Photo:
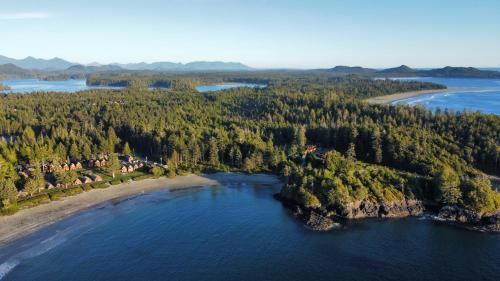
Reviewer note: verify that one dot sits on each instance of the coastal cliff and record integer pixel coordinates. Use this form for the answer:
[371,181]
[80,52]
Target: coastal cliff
[470,219]
[323,219]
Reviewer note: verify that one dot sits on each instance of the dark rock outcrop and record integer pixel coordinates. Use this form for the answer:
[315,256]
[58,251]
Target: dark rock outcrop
[470,219]
[370,209]
[317,221]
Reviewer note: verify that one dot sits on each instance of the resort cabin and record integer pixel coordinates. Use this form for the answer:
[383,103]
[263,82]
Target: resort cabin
[103,162]
[72,167]
[310,149]
[124,169]
[136,166]
[22,193]
[86,180]
[65,167]
[49,186]
[97,163]
[130,168]
[77,182]
[78,165]
[96,178]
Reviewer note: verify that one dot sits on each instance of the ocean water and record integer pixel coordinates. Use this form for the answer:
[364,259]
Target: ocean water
[219,87]
[239,232]
[483,96]
[35,85]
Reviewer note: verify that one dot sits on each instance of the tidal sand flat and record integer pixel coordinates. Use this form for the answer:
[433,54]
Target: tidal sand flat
[387,99]
[463,94]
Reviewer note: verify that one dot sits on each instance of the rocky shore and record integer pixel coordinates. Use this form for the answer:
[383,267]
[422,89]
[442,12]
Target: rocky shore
[322,219]
[470,219]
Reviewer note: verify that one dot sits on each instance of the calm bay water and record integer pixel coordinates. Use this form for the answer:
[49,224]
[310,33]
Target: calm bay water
[35,85]
[239,232]
[219,87]
[484,95]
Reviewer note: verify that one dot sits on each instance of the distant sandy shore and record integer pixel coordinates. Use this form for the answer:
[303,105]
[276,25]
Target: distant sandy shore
[29,220]
[401,96]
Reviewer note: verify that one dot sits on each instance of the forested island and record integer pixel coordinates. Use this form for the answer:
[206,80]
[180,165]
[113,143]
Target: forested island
[406,71]
[339,156]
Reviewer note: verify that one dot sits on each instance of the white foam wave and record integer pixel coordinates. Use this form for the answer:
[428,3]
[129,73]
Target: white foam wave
[39,249]
[6,267]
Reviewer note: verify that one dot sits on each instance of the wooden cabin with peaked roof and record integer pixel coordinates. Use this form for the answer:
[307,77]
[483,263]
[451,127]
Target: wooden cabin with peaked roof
[96,178]
[85,180]
[129,158]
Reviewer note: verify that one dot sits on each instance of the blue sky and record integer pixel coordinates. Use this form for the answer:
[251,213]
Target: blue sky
[260,33]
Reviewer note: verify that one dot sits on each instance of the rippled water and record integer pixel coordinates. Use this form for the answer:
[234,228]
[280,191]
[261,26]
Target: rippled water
[239,232]
[34,85]
[483,96]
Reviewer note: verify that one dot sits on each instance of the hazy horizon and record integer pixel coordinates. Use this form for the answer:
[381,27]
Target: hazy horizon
[263,34]
[256,68]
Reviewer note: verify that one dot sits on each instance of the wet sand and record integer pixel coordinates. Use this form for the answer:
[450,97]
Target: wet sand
[400,96]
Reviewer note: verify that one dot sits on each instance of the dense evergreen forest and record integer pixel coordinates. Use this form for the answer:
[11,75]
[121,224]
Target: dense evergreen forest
[363,152]
[351,85]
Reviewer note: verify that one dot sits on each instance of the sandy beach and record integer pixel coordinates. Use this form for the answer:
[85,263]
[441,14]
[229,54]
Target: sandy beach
[29,220]
[400,96]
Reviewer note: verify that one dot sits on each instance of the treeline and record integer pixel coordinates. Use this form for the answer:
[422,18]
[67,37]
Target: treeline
[255,130]
[351,85]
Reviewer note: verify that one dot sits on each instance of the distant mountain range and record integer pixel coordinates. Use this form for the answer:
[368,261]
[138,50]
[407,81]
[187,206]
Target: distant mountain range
[39,64]
[57,68]
[10,71]
[406,71]
[57,64]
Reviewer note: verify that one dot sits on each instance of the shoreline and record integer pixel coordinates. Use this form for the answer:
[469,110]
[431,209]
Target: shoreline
[28,221]
[387,99]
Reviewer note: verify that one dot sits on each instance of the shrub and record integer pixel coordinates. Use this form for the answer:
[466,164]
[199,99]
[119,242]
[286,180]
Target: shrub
[142,177]
[156,171]
[54,196]
[9,210]
[115,182]
[73,191]
[99,185]
[171,173]
[33,201]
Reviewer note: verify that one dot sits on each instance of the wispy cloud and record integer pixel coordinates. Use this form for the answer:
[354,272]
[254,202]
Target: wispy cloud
[24,16]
